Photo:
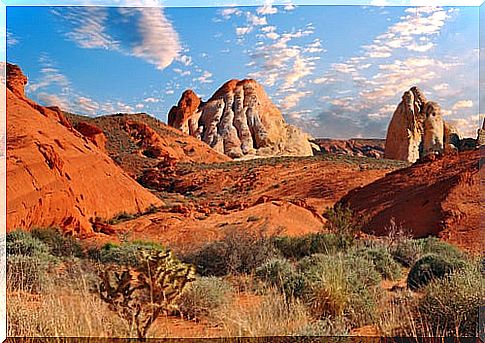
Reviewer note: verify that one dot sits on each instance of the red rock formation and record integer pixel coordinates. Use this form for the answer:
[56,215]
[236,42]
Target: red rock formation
[182,115]
[93,133]
[239,120]
[436,197]
[57,177]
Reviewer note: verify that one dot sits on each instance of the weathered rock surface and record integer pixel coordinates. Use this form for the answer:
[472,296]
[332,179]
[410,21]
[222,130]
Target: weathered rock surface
[239,120]
[93,133]
[139,141]
[417,129]
[55,175]
[439,197]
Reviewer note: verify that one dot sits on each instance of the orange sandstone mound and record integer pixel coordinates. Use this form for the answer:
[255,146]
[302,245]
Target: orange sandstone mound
[438,197]
[55,175]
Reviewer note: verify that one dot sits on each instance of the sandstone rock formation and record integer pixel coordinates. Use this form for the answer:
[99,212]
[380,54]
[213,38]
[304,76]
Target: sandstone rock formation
[139,141]
[438,198]
[239,120]
[55,175]
[93,133]
[417,129]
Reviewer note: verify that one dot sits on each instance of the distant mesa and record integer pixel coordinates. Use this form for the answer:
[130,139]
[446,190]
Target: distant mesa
[417,130]
[239,120]
[55,175]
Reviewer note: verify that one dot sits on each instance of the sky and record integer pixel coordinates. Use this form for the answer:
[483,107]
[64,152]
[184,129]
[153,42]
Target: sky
[334,71]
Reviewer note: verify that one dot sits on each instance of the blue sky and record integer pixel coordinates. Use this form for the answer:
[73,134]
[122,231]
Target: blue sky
[335,71]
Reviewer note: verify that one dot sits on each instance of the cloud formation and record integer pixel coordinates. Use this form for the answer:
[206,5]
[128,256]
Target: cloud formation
[155,41]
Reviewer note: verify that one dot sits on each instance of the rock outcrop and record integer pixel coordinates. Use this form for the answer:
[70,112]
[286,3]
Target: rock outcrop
[139,141]
[417,130]
[239,120]
[439,198]
[55,175]
[93,133]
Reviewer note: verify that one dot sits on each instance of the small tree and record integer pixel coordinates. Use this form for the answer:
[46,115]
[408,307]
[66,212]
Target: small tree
[141,293]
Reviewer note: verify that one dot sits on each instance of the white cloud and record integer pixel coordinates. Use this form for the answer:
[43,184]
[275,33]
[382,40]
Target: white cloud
[151,100]
[267,9]
[289,7]
[240,31]
[255,20]
[159,43]
[228,12]
[205,77]
[47,99]
[292,99]
[462,104]
[139,106]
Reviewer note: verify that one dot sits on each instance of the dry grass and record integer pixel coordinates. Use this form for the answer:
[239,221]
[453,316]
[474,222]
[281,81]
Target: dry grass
[62,313]
[273,315]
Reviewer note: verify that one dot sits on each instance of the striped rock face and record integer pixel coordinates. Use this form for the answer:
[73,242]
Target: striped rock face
[240,121]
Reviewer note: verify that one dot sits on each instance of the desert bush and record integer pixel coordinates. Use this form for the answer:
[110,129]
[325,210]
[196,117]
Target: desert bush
[408,251]
[22,243]
[449,306]
[204,297]
[326,327]
[281,274]
[344,223]
[124,254]
[59,244]
[314,243]
[382,260]
[121,217]
[27,273]
[238,252]
[342,286]
[429,267]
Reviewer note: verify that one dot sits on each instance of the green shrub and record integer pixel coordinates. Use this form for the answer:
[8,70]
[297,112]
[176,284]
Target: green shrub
[429,267]
[282,274]
[204,296]
[450,305]
[314,243]
[382,260]
[124,254]
[343,222]
[121,217]
[59,245]
[275,271]
[238,252]
[22,243]
[408,251]
[27,273]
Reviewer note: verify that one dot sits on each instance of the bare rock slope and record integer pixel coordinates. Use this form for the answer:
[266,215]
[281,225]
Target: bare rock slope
[239,120]
[439,197]
[55,175]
